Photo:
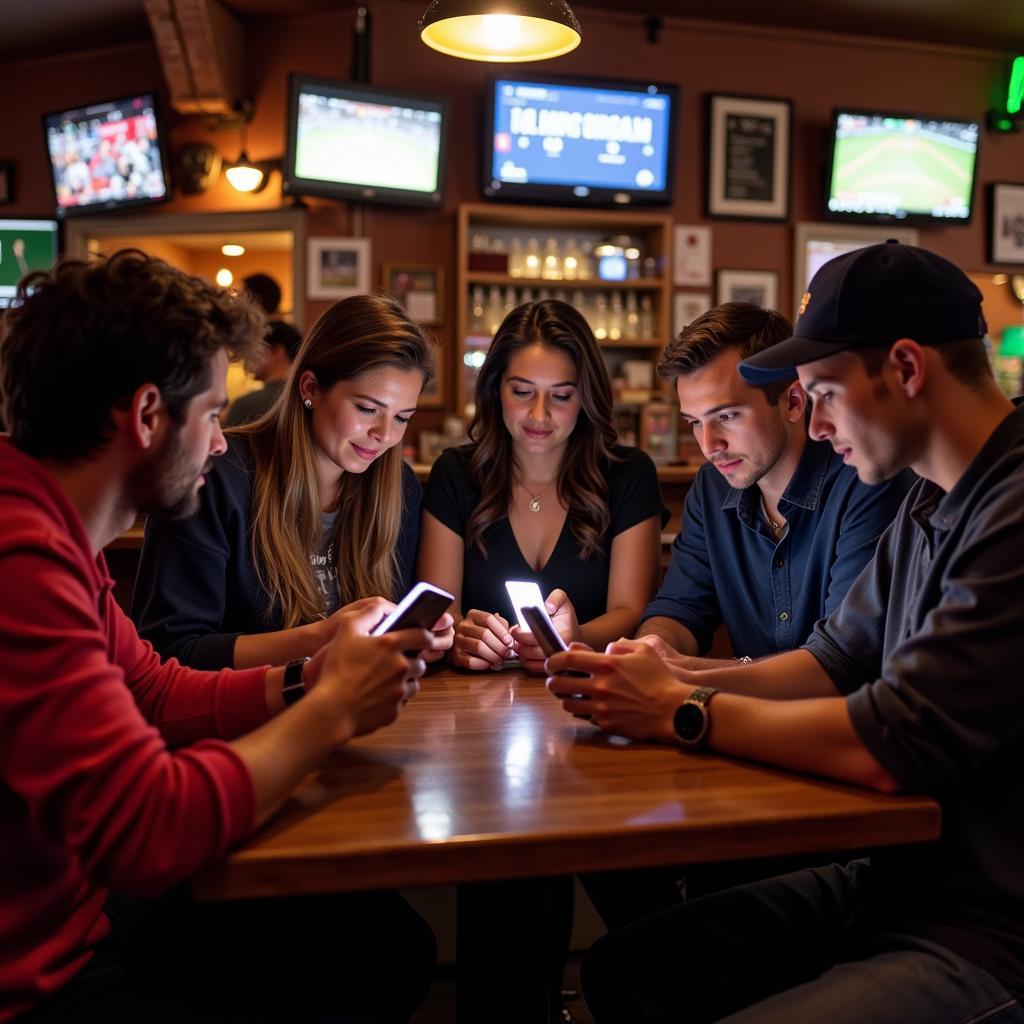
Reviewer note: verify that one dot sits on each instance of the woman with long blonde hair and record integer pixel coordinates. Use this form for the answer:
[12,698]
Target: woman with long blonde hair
[310,509]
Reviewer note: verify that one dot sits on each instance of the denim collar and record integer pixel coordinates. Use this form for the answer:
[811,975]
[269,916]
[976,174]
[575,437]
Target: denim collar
[804,487]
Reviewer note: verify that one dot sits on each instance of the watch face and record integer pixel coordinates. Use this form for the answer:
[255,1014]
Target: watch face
[690,721]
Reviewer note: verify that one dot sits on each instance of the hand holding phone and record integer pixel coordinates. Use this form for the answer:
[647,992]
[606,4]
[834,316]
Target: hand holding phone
[548,638]
[522,593]
[420,608]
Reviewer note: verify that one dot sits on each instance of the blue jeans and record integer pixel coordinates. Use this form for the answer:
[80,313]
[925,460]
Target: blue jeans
[790,949]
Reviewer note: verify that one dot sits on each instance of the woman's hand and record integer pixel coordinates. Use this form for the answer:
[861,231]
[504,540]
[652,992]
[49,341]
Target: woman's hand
[563,618]
[482,641]
[442,635]
[322,631]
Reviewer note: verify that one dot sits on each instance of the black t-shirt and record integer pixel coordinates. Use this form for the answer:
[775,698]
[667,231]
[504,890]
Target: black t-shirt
[633,496]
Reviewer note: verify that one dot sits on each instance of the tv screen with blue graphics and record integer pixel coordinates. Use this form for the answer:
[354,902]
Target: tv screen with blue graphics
[576,142]
[900,167]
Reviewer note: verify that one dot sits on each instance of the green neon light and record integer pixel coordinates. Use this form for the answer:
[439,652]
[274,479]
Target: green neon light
[1015,94]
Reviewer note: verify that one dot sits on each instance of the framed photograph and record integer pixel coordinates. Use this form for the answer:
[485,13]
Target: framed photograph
[6,182]
[687,307]
[761,287]
[750,143]
[419,287]
[434,394]
[338,267]
[691,257]
[815,244]
[1006,238]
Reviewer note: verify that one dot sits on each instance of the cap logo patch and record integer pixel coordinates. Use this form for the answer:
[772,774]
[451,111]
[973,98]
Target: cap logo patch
[804,302]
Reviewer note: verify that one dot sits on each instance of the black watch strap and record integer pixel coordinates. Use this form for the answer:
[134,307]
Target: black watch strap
[294,688]
[692,720]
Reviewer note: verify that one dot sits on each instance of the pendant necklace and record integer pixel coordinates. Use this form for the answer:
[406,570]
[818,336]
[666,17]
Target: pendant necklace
[534,505]
[776,528]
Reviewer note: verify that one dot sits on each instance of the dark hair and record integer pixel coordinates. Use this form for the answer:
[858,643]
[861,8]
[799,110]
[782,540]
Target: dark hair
[285,335]
[265,290]
[740,325]
[582,486]
[967,360]
[84,337]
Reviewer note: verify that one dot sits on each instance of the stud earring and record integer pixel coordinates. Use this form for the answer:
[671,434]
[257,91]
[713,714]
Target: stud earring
[308,403]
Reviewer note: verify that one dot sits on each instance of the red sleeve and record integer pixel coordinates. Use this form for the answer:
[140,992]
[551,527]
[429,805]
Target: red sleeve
[185,704]
[96,777]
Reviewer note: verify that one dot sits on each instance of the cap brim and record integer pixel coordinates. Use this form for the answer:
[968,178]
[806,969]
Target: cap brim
[779,362]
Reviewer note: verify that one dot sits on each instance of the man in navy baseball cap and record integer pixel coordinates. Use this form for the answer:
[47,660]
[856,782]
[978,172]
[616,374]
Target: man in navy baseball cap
[869,298]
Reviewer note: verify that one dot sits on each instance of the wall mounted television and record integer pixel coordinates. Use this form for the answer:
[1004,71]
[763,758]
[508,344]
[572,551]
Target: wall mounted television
[907,168]
[107,155]
[25,246]
[348,141]
[579,141]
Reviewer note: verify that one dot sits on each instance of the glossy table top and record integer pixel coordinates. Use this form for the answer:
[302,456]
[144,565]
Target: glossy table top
[485,776]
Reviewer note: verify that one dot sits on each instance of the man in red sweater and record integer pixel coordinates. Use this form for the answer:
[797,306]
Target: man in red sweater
[119,772]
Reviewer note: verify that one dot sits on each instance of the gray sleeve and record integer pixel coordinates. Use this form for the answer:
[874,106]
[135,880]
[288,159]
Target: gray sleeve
[948,699]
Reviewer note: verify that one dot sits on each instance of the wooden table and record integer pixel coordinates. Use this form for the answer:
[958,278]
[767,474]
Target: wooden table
[484,776]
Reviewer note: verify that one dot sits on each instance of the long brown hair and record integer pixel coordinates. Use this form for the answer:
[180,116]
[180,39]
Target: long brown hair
[582,486]
[354,336]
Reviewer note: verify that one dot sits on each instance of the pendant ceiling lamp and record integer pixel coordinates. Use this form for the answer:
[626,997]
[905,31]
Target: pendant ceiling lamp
[500,31]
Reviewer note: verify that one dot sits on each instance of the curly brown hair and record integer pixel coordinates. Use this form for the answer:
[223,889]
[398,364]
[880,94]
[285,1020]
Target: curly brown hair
[81,339]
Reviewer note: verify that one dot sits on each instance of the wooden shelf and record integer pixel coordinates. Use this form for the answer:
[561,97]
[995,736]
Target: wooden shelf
[636,284]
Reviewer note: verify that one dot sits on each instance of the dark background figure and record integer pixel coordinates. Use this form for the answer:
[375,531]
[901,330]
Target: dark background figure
[283,340]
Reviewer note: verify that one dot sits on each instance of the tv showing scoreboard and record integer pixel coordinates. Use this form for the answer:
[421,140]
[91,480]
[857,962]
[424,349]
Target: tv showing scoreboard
[579,141]
[348,141]
[901,167]
[25,246]
[107,155]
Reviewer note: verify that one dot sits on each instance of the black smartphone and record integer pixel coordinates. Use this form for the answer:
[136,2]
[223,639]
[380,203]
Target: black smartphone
[419,609]
[547,637]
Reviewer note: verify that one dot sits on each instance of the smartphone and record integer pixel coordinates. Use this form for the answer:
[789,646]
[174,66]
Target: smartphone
[419,609]
[523,593]
[548,638]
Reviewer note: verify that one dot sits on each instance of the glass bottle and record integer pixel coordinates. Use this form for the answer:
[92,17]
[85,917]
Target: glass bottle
[531,258]
[552,266]
[510,301]
[495,312]
[600,324]
[616,318]
[516,266]
[570,260]
[646,324]
[477,322]
[585,271]
[631,327]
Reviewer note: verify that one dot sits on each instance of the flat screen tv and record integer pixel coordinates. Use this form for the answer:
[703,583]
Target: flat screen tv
[107,155]
[579,141]
[25,246]
[886,168]
[348,141]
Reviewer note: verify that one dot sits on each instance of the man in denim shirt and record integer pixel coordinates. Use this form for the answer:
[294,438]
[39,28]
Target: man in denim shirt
[775,527]
[913,684]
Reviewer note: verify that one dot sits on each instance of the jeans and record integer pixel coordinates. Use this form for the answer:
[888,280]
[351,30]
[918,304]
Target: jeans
[792,949]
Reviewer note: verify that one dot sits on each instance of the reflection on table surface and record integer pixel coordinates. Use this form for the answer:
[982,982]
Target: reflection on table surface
[485,776]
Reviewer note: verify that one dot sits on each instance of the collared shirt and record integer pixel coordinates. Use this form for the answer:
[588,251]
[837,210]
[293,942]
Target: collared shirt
[929,648]
[727,566]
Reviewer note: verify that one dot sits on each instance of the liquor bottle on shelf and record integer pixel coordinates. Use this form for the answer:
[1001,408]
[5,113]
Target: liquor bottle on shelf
[551,269]
[516,265]
[571,260]
[646,316]
[600,322]
[495,312]
[510,301]
[585,270]
[531,258]
[616,318]
[579,303]
[631,327]
[477,322]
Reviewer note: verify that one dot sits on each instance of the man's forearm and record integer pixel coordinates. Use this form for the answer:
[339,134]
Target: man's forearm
[794,675]
[674,633]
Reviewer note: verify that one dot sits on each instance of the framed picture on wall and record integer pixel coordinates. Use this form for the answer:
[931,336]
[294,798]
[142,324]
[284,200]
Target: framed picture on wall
[433,395]
[1006,225]
[338,267]
[761,287]
[749,148]
[419,287]
[687,307]
[815,244]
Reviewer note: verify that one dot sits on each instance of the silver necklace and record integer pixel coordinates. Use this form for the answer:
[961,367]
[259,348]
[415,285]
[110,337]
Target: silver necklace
[534,505]
[776,528]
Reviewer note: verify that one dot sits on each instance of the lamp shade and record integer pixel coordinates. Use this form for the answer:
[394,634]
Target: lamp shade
[1012,342]
[244,176]
[500,31]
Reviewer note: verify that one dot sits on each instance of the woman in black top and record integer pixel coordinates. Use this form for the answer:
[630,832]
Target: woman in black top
[542,493]
[311,507]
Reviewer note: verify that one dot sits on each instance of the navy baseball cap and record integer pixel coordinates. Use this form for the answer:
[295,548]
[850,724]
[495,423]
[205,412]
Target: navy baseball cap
[870,298]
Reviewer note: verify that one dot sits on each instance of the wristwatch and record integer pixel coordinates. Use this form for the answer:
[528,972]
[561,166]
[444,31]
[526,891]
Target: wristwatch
[294,688]
[691,720]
